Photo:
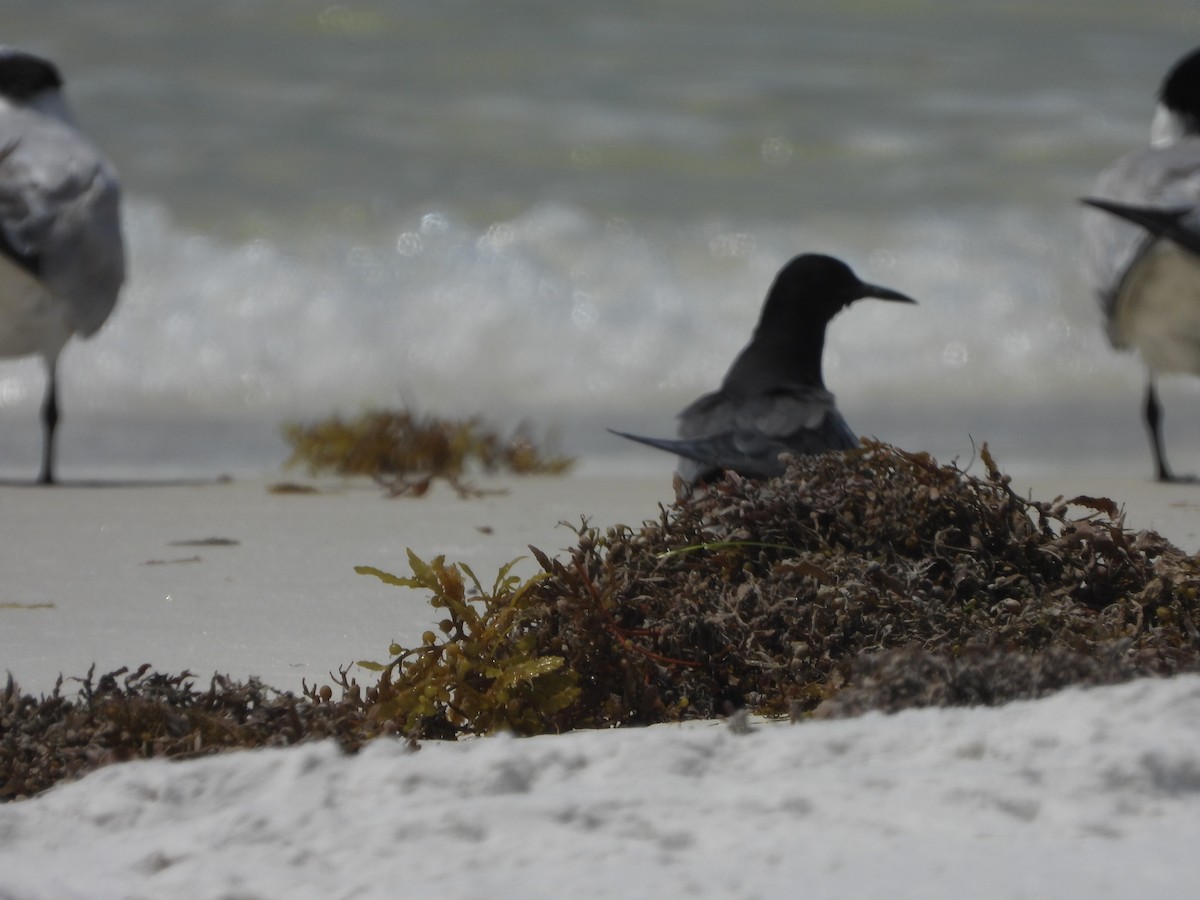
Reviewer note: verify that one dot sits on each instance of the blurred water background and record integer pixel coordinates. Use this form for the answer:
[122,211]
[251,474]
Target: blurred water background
[570,213]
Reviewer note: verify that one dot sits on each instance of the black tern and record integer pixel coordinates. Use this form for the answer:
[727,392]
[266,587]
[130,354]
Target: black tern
[773,399]
[62,259]
[1143,248]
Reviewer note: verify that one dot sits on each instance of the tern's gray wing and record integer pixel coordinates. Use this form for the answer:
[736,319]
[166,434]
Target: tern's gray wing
[803,417]
[1166,177]
[1180,225]
[703,457]
[59,217]
[747,434]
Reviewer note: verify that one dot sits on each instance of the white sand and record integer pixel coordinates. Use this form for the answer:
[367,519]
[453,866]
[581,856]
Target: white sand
[97,574]
[109,574]
[1091,794]
[1083,795]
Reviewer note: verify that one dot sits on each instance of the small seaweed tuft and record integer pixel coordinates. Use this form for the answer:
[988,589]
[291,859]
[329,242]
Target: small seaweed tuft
[143,714]
[485,673]
[405,451]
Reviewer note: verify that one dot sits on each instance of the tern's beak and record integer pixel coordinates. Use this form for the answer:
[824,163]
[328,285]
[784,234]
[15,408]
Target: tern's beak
[882,293]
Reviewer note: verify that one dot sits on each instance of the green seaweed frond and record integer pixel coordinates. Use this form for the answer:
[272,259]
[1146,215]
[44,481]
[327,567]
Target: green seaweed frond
[485,673]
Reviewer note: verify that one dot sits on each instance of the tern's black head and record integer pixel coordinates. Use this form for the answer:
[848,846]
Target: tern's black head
[1180,91]
[789,341]
[23,75]
[812,289]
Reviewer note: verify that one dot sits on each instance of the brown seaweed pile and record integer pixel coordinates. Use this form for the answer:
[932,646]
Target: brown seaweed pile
[870,579]
[405,451]
[851,575]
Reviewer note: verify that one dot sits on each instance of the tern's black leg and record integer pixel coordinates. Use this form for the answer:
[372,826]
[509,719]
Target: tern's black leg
[49,423]
[1154,426]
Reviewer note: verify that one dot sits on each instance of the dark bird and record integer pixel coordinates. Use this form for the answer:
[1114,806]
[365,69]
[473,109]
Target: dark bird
[62,259]
[773,399]
[1142,238]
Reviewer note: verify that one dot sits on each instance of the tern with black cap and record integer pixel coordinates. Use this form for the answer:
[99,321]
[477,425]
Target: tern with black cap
[1142,241]
[62,258]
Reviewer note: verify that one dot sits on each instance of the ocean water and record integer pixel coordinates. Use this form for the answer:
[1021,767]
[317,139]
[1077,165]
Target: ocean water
[569,215]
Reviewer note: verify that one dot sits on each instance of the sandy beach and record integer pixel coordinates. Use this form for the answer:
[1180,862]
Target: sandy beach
[1087,792]
[230,578]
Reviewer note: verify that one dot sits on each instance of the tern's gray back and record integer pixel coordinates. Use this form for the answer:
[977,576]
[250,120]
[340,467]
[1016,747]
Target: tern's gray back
[59,201]
[1167,177]
[749,433]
